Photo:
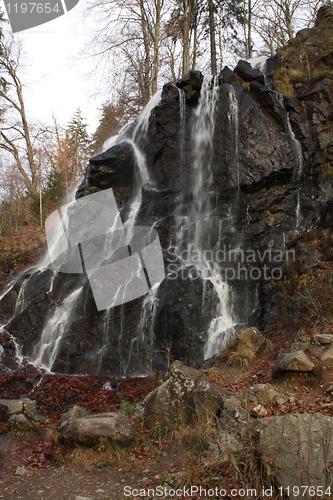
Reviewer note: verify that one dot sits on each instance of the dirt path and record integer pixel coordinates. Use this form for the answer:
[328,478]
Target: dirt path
[56,483]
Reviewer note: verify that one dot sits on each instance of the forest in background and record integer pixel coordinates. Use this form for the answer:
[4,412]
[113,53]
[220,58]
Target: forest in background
[139,45]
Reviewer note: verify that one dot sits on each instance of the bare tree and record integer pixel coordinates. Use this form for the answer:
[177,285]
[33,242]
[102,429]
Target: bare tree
[276,21]
[16,135]
[130,32]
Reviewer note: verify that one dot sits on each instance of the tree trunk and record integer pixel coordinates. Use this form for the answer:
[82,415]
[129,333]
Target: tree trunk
[213,62]
[249,28]
[158,10]
[186,37]
[195,37]
[146,83]
[30,154]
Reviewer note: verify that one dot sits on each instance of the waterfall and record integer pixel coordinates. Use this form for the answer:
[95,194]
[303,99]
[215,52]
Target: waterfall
[295,143]
[21,301]
[202,137]
[140,134]
[145,334]
[298,151]
[233,122]
[56,325]
[192,228]
[141,127]
[298,209]
[182,128]
[106,324]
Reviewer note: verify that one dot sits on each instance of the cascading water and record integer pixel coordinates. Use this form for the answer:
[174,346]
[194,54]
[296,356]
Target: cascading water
[199,221]
[141,344]
[57,324]
[233,122]
[193,228]
[21,299]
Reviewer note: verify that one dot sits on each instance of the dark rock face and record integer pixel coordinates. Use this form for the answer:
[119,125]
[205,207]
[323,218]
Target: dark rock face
[266,179]
[248,74]
[114,168]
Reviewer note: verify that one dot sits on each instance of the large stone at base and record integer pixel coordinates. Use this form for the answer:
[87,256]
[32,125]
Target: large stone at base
[300,447]
[9,407]
[294,361]
[20,423]
[250,342]
[90,430]
[72,414]
[186,396]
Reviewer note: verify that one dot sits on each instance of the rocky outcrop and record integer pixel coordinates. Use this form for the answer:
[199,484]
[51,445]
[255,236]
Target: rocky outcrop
[185,396]
[91,430]
[298,450]
[267,179]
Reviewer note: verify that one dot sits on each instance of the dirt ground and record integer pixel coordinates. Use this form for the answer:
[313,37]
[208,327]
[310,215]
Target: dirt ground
[50,482]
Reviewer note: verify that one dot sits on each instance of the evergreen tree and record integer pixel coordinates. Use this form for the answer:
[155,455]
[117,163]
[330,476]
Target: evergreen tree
[78,146]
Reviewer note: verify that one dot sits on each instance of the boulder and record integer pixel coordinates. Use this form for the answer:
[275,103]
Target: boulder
[249,74]
[259,411]
[229,77]
[232,415]
[9,407]
[220,450]
[186,395]
[90,430]
[328,355]
[300,447]
[293,361]
[193,78]
[113,168]
[269,101]
[75,412]
[264,394]
[322,339]
[20,423]
[250,342]
[29,409]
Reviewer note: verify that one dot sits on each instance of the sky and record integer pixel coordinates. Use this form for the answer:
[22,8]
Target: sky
[55,75]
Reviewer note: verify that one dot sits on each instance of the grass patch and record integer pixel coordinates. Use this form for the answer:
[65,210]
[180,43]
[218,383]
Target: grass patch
[282,82]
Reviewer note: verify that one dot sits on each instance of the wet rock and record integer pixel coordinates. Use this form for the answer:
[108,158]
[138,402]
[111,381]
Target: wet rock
[89,431]
[186,395]
[229,77]
[300,447]
[249,74]
[250,342]
[193,78]
[296,361]
[269,101]
[114,168]
[253,197]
